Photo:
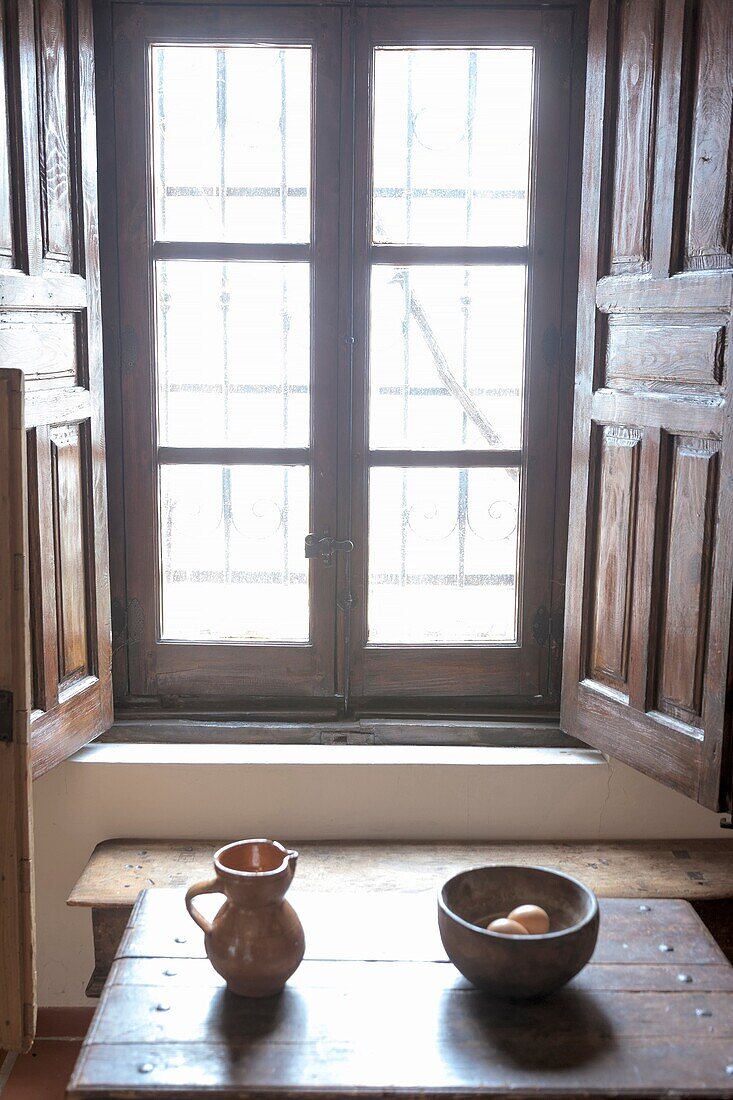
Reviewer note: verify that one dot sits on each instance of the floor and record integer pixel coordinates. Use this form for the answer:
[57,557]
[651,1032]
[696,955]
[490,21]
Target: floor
[44,1072]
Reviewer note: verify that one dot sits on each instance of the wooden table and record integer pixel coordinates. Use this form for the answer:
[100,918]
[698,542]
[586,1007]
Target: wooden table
[376,1008]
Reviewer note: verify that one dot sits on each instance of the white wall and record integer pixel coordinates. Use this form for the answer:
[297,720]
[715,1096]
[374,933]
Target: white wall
[312,793]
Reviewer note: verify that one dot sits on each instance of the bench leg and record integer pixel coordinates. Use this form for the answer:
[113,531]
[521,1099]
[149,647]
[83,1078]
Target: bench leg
[108,927]
[717,916]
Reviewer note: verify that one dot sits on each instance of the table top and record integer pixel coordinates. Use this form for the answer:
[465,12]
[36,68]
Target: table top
[376,1008]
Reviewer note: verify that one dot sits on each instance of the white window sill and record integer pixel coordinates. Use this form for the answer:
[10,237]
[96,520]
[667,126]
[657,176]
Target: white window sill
[333,755]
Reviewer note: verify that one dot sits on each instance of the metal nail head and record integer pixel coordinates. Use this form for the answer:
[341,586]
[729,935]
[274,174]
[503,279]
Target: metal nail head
[684,978]
[180,939]
[645,908]
[665,948]
[703,1012]
[146,1067]
[162,1008]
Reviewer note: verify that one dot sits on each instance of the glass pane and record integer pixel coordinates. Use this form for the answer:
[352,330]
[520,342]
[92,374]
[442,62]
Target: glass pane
[443,555]
[233,353]
[452,145]
[233,566]
[231,142]
[446,357]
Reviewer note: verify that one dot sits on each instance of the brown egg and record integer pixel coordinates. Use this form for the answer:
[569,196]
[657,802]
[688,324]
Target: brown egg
[506,927]
[532,918]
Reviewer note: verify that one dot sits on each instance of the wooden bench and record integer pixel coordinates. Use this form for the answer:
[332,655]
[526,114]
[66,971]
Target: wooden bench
[699,871]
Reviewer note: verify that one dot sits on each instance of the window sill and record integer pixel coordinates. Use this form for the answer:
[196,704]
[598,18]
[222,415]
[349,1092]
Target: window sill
[332,755]
[376,733]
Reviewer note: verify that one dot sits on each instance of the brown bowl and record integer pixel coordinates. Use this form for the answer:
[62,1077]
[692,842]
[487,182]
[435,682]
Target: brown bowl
[517,967]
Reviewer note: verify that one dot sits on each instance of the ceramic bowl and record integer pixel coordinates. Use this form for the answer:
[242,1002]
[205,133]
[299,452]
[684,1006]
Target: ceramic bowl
[517,967]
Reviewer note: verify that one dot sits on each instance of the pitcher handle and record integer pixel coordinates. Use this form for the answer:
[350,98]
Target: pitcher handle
[210,886]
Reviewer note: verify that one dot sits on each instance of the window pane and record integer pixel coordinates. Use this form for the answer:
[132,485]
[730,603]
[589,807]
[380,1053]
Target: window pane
[231,142]
[233,565]
[233,353]
[443,555]
[446,357]
[452,145]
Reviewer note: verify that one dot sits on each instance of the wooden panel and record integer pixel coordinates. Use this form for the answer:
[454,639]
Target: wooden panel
[615,532]
[44,344]
[53,95]
[698,293]
[17,931]
[42,291]
[119,869]
[707,977]
[657,337]
[665,357]
[58,406]
[42,571]
[62,357]
[687,573]
[165,1022]
[638,31]
[6,197]
[705,413]
[496,1068]
[69,492]
[709,233]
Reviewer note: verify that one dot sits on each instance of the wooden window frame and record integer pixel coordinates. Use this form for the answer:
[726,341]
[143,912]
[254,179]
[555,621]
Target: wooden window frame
[212,696]
[171,668]
[520,673]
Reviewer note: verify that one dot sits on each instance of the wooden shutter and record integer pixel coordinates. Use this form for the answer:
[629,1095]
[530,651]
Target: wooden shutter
[50,327]
[17,969]
[650,571]
[55,684]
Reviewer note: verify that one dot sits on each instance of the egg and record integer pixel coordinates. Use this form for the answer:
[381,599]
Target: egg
[533,919]
[506,927]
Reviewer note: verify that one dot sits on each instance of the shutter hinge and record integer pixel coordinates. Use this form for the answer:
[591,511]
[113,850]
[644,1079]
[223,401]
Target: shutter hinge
[548,626]
[6,716]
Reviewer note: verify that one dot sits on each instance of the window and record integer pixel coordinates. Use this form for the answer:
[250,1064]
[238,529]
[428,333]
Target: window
[341,271]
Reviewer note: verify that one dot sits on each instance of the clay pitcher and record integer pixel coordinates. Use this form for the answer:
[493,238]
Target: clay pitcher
[255,941]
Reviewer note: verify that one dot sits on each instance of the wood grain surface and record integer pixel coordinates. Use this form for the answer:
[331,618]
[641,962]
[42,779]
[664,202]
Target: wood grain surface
[650,559]
[119,869]
[17,928]
[377,1008]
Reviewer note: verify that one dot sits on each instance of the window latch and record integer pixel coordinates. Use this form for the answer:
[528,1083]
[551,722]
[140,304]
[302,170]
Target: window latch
[324,547]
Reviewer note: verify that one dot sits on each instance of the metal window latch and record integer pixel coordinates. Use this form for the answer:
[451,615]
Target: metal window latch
[324,547]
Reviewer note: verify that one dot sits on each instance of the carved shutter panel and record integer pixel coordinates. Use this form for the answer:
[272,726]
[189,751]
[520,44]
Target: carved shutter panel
[650,571]
[17,966]
[50,327]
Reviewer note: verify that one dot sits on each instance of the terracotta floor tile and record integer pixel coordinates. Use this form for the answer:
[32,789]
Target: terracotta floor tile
[44,1073]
